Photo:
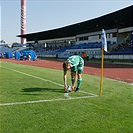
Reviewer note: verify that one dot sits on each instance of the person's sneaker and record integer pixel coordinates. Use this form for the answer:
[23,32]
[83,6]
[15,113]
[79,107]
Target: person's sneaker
[77,89]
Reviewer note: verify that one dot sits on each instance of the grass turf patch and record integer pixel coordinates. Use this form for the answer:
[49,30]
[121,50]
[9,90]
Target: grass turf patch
[110,113]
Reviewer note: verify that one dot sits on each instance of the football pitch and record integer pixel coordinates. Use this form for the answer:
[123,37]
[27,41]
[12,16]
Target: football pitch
[32,100]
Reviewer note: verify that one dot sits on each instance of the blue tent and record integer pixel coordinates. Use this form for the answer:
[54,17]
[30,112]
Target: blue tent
[17,55]
[8,55]
[29,52]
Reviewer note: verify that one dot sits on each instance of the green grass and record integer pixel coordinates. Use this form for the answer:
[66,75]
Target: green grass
[111,113]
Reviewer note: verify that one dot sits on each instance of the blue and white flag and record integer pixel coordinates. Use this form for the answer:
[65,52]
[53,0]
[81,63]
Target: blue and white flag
[104,40]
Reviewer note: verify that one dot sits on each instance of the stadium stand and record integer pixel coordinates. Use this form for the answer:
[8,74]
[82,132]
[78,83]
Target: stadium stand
[86,35]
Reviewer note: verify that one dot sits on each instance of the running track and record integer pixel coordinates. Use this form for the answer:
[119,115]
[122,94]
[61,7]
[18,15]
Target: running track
[118,72]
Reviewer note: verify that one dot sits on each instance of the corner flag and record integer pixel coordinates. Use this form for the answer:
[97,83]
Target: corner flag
[104,40]
[104,48]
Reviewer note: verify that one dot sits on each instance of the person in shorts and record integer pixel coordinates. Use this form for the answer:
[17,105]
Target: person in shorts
[75,64]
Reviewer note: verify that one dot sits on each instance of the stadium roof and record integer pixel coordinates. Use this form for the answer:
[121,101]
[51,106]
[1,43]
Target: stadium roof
[119,19]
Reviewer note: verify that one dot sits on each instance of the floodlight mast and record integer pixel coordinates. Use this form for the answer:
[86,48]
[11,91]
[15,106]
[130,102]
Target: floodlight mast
[23,20]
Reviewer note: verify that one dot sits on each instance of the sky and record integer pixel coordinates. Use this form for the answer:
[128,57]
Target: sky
[42,15]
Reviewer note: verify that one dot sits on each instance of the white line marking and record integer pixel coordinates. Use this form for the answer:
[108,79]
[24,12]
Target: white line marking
[131,83]
[88,93]
[67,94]
[124,82]
[39,101]
[33,76]
[42,101]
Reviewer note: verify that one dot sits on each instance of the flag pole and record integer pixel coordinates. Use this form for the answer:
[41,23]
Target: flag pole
[101,80]
[104,48]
